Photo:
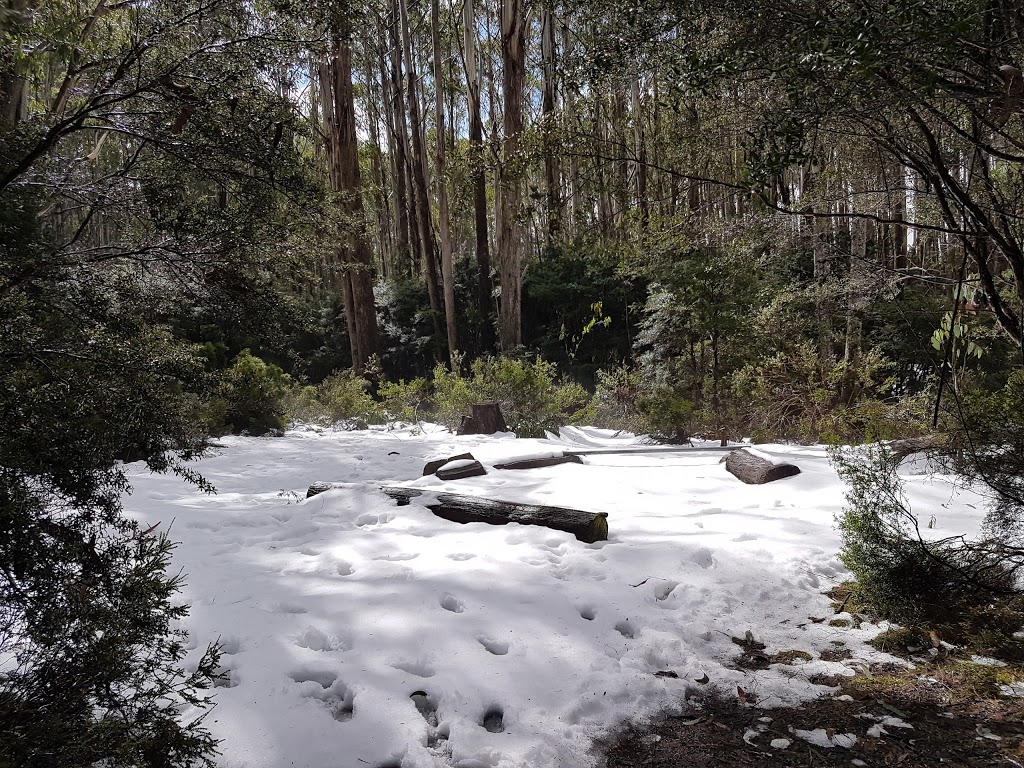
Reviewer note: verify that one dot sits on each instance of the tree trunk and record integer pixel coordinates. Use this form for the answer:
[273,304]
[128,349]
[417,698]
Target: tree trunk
[380,175]
[484,419]
[356,280]
[400,158]
[569,124]
[640,152]
[13,78]
[419,173]
[513,80]
[552,172]
[485,290]
[447,271]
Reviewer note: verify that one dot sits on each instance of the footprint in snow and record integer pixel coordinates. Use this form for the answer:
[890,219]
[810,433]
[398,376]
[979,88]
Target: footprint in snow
[337,697]
[663,590]
[418,668]
[344,568]
[451,603]
[317,640]
[495,647]
[371,518]
[324,677]
[493,720]
[625,628]
[747,537]
[225,676]
[461,556]
[425,706]
[703,557]
[588,612]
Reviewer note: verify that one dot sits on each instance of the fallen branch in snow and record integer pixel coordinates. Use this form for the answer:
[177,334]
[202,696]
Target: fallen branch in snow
[588,527]
[755,468]
[901,449]
[550,461]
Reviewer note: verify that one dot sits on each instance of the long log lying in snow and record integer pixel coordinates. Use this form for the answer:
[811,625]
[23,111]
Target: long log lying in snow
[753,467]
[588,527]
[549,461]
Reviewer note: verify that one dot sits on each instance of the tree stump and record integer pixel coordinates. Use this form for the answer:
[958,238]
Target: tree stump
[484,419]
[588,527]
[756,469]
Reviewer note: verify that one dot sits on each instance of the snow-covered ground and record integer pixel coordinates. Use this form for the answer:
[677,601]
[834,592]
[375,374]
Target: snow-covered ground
[359,633]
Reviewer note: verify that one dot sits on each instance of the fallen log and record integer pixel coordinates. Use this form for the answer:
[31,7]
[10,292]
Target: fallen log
[435,464]
[901,449]
[549,461]
[588,527]
[461,468]
[755,468]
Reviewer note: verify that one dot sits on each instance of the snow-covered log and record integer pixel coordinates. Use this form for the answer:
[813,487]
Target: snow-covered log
[460,468]
[455,467]
[435,464]
[755,468]
[588,527]
[538,463]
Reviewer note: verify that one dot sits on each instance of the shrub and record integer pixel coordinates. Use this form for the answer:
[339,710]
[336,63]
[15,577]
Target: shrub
[626,399]
[530,398]
[988,433]
[253,395]
[616,399]
[340,400]
[795,395]
[667,414]
[899,574]
[403,401]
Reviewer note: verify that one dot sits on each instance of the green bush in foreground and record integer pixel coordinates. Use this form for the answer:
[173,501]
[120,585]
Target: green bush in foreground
[899,574]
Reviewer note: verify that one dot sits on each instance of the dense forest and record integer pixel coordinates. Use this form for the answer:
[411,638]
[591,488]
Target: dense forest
[786,221]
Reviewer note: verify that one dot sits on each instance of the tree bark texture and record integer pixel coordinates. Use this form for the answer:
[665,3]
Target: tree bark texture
[421,185]
[756,470]
[485,290]
[510,237]
[447,269]
[355,279]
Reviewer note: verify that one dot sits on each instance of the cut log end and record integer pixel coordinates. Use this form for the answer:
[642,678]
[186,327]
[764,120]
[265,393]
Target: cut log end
[317,488]
[757,470]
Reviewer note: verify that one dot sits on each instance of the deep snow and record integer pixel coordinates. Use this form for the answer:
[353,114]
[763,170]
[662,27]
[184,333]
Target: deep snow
[360,633]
